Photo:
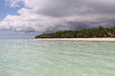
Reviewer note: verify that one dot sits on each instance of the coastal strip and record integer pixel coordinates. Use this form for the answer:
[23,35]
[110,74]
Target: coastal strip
[80,39]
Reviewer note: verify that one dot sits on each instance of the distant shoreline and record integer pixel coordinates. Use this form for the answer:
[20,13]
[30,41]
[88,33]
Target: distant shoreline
[79,39]
[99,32]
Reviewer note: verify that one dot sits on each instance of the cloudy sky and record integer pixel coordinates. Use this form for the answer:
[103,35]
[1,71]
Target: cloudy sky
[27,18]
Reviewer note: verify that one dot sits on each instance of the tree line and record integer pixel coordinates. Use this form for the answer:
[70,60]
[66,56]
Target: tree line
[83,33]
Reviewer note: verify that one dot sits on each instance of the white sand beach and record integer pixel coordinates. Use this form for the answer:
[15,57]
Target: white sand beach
[80,39]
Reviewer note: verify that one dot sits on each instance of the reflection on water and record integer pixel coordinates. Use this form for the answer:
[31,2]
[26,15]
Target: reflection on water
[56,58]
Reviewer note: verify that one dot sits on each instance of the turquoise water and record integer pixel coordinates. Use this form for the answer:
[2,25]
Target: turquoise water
[56,58]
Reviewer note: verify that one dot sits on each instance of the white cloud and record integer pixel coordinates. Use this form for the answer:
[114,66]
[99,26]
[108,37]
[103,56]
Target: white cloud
[53,15]
[13,3]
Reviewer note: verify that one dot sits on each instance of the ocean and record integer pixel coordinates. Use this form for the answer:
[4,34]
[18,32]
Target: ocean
[56,58]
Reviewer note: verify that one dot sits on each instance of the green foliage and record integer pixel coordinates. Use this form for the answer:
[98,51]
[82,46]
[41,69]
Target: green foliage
[83,33]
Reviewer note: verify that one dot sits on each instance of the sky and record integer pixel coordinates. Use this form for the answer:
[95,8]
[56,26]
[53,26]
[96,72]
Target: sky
[28,18]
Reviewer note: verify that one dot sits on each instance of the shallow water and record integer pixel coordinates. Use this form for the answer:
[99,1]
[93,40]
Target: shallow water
[56,58]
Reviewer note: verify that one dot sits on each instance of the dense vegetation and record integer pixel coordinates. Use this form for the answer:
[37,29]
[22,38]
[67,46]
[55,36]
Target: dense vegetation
[83,33]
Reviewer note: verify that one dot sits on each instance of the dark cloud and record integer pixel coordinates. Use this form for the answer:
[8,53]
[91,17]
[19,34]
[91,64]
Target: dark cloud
[67,8]
[62,8]
[58,15]
[5,28]
[81,25]
[24,29]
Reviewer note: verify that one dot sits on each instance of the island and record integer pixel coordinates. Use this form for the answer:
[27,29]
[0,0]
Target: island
[99,32]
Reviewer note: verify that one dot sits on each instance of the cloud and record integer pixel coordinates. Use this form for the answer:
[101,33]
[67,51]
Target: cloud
[18,37]
[55,15]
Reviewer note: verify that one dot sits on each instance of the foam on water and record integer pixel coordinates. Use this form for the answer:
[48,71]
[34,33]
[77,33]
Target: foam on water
[56,58]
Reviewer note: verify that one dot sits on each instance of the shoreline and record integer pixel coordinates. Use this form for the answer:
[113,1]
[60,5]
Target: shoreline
[79,39]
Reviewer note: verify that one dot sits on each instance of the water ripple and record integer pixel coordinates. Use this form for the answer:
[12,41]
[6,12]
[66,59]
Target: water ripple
[56,58]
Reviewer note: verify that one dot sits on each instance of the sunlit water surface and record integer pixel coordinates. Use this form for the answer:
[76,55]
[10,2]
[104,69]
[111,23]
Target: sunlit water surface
[56,58]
